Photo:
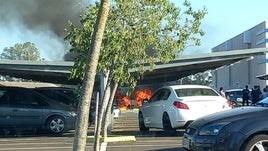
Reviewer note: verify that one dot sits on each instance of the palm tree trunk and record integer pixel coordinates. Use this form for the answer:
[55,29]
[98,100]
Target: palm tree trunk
[80,138]
[108,112]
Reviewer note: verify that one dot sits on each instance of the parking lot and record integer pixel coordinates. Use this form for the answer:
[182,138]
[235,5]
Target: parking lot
[125,125]
[154,141]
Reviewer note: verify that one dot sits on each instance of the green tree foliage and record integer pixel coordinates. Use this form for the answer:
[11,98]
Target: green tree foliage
[138,33]
[80,138]
[26,51]
[204,78]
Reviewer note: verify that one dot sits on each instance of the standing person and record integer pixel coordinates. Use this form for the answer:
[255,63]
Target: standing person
[260,93]
[245,95]
[222,92]
[256,94]
[265,92]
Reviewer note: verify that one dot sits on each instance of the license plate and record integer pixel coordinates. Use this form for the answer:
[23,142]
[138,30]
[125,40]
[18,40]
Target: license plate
[186,143]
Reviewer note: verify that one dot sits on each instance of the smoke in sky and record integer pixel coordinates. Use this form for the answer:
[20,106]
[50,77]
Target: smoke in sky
[41,22]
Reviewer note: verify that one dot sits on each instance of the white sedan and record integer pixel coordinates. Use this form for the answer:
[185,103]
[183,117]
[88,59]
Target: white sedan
[173,107]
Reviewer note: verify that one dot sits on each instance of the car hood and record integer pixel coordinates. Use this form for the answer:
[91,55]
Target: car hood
[230,115]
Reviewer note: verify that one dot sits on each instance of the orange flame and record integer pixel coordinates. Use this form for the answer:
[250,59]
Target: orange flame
[140,95]
[123,102]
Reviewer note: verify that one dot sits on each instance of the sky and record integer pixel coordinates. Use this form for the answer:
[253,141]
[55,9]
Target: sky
[227,19]
[41,21]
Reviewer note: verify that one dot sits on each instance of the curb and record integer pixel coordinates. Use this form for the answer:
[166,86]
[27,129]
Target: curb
[129,110]
[118,139]
[103,145]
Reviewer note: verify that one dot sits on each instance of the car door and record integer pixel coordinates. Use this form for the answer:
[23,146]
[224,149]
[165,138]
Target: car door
[153,110]
[5,109]
[147,110]
[158,107]
[28,108]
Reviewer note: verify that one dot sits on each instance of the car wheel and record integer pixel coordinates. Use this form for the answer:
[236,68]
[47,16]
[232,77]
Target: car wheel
[142,126]
[56,125]
[167,125]
[257,143]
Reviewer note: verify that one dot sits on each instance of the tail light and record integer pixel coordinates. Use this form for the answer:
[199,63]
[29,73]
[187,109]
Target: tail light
[227,104]
[180,105]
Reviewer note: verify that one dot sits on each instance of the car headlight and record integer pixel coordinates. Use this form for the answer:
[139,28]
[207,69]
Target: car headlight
[72,114]
[212,129]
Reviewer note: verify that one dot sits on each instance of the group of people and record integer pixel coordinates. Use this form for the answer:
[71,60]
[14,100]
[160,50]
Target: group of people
[256,94]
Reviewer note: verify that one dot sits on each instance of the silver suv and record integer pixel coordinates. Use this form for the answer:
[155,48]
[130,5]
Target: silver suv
[23,108]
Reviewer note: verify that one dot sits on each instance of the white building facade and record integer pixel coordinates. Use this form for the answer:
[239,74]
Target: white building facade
[244,72]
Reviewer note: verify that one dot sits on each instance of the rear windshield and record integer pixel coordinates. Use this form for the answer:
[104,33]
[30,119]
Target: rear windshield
[195,92]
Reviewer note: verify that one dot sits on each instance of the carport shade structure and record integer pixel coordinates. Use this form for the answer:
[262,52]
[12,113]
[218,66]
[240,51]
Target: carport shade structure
[59,71]
[192,64]
[262,77]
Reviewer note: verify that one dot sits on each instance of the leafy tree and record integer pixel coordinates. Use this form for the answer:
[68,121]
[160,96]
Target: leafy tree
[138,33]
[204,78]
[26,51]
[89,77]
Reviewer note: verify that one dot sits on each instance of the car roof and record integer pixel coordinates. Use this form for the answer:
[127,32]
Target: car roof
[14,87]
[232,90]
[60,88]
[189,86]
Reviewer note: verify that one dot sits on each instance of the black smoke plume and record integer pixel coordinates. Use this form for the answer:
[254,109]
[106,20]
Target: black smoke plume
[40,20]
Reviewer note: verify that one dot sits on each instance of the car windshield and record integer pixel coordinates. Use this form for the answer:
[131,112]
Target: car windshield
[263,102]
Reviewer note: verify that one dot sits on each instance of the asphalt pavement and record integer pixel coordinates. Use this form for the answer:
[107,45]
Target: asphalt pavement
[125,128]
[153,141]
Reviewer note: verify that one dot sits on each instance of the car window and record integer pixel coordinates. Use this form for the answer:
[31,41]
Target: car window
[164,94]
[155,96]
[238,93]
[161,94]
[59,95]
[195,92]
[229,93]
[4,98]
[25,99]
[70,93]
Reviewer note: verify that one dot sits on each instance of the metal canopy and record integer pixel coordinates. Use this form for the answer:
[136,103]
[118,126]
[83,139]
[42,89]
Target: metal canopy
[59,72]
[192,64]
[262,77]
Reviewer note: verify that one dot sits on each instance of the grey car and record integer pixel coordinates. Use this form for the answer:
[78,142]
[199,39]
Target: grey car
[22,108]
[67,96]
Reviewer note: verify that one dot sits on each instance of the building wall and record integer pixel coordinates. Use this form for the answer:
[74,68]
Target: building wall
[244,72]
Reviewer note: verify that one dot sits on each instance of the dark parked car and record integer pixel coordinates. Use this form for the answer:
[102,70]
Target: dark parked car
[239,129]
[63,95]
[67,96]
[236,96]
[23,108]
